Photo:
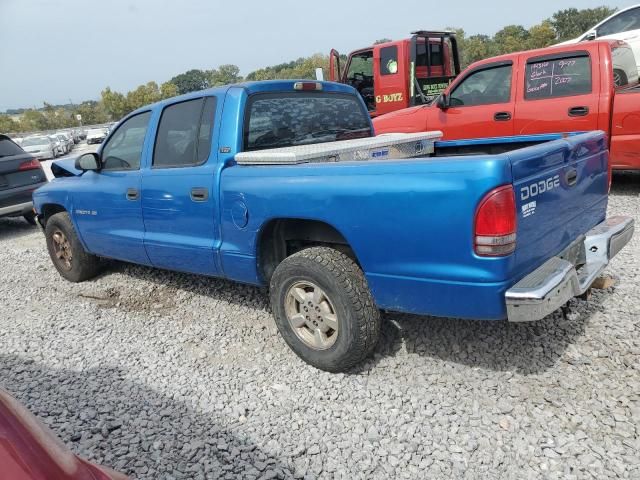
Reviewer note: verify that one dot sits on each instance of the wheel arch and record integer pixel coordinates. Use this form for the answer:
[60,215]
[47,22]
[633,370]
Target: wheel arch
[279,238]
[50,209]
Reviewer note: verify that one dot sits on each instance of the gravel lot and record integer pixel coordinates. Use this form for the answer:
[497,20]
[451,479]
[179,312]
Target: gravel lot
[162,375]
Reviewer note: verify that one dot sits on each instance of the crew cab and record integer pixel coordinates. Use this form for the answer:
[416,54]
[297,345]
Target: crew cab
[558,89]
[281,184]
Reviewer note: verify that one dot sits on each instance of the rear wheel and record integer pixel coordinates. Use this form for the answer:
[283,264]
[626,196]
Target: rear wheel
[66,251]
[323,308]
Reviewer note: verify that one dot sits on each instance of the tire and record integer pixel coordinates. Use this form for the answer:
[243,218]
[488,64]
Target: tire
[30,218]
[344,301]
[61,241]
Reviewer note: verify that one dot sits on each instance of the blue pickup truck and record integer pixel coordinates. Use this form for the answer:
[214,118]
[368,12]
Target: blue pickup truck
[283,184]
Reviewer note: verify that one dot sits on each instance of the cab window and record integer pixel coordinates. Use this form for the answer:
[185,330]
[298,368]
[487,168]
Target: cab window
[389,60]
[625,70]
[484,87]
[557,77]
[124,149]
[184,134]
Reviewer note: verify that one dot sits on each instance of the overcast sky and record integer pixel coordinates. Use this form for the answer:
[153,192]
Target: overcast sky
[71,49]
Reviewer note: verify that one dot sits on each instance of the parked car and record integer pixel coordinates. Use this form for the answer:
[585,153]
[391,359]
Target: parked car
[20,174]
[60,147]
[40,146]
[17,140]
[290,191]
[30,450]
[67,139]
[557,89]
[96,135]
[623,25]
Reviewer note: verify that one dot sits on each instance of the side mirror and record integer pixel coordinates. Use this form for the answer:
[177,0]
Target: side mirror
[443,102]
[590,36]
[88,161]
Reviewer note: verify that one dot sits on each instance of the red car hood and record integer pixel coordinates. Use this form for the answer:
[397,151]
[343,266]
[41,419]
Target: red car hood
[30,451]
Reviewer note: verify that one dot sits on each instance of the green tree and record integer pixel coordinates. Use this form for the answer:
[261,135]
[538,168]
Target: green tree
[168,90]
[33,120]
[541,35]
[114,103]
[511,38]
[224,75]
[8,124]
[571,22]
[92,113]
[191,81]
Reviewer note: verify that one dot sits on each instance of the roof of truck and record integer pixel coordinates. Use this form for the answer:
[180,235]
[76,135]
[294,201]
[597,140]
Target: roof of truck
[547,51]
[251,88]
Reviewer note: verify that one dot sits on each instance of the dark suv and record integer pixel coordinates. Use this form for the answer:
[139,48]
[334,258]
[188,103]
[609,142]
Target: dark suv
[20,174]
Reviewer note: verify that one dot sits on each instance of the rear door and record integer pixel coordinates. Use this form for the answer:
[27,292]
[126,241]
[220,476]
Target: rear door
[558,92]
[482,104]
[178,200]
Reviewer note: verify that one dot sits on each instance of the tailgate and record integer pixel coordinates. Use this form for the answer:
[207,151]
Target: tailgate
[561,190]
[12,177]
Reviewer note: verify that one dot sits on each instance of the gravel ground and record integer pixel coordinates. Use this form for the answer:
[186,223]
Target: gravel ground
[163,375]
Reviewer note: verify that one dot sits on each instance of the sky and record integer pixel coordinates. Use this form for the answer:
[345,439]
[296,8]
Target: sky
[55,51]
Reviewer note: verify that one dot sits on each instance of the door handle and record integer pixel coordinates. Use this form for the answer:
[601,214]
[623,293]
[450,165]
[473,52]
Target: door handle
[571,177]
[199,194]
[502,117]
[132,194]
[578,111]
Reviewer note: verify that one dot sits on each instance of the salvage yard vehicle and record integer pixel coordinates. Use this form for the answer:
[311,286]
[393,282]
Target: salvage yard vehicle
[399,74]
[20,174]
[40,146]
[622,25]
[557,89]
[286,188]
[96,135]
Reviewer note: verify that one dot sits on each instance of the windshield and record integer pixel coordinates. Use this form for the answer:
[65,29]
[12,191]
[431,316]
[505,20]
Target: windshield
[29,142]
[283,120]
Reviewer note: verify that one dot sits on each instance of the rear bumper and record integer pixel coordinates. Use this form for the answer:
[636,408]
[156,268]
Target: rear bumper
[569,274]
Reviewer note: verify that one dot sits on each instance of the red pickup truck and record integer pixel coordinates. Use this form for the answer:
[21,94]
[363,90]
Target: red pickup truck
[566,88]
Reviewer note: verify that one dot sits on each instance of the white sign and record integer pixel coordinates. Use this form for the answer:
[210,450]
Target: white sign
[78,117]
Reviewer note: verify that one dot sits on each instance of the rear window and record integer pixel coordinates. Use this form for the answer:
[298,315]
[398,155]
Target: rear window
[8,148]
[557,77]
[625,70]
[284,120]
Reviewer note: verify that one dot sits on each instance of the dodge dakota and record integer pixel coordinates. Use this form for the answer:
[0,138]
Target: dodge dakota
[581,87]
[282,184]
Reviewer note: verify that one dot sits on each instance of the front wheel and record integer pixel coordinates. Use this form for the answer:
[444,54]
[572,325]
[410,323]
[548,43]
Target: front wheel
[323,308]
[66,251]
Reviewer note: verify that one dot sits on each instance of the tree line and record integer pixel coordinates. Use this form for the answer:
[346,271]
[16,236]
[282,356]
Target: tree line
[562,25]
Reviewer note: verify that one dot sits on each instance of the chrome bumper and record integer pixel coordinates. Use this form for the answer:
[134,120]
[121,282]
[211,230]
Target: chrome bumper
[569,274]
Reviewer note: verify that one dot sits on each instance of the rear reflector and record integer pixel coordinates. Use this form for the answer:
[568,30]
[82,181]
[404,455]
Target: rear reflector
[496,224]
[307,86]
[30,165]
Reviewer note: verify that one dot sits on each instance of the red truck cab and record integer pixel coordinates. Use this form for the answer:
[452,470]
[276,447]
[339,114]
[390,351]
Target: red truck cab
[566,88]
[400,74]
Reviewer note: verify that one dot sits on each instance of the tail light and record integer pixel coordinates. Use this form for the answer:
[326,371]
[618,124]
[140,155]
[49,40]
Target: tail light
[32,164]
[496,223]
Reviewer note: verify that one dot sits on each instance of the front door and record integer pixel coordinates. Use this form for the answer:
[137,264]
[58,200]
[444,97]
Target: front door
[179,203]
[106,203]
[481,105]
